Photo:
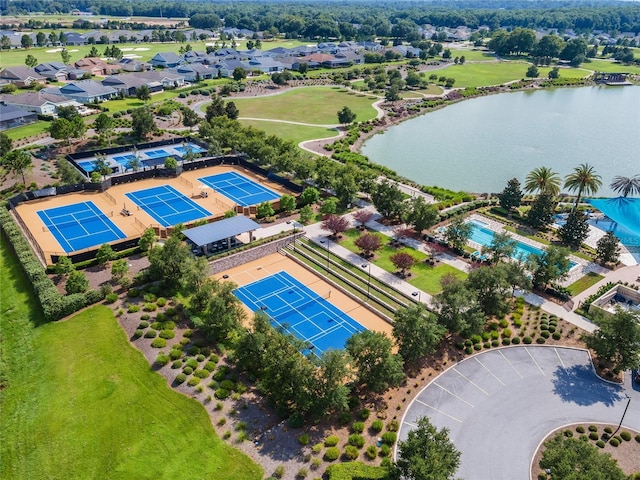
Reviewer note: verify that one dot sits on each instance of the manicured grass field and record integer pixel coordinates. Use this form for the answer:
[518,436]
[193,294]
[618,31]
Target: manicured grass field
[585,282]
[473,55]
[80,402]
[314,105]
[289,131]
[427,278]
[611,67]
[27,130]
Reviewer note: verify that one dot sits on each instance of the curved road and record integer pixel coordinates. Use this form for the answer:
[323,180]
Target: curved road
[500,404]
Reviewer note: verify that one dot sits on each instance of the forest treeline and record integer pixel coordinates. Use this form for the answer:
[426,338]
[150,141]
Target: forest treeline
[337,19]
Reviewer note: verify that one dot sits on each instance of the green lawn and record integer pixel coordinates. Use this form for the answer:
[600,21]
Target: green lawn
[80,402]
[583,283]
[611,67]
[524,233]
[427,278]
[314,105]
[288,131]
[28,130]
[473,55]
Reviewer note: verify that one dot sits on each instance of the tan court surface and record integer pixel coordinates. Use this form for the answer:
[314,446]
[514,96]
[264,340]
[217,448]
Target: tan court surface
[266,266]
[112,201]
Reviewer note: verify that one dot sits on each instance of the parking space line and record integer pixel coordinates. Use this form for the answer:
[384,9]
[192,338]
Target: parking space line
[512,365]
[561,362]
[534,361]
[453,394]
[411,424]
[470,381]
[439,411]
[493,374]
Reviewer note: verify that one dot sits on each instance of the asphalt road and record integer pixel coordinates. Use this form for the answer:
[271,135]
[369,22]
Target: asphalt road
[500,404]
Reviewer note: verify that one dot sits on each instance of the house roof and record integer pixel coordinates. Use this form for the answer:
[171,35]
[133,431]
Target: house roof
[90,87]
[168,57]
[221,230]
[9,112]
[34,99]
[20,72]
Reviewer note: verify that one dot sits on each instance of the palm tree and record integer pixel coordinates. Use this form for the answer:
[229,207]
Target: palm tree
[626,185]
[542,180]
[583,179]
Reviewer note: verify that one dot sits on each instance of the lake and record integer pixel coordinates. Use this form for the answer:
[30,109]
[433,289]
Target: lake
[478,145]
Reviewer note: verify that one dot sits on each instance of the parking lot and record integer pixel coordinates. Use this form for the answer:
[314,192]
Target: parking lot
[500,404]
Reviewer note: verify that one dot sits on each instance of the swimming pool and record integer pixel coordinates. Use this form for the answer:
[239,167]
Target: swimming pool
[483,235]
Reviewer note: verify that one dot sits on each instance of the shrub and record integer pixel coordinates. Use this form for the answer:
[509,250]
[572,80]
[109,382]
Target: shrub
[144,316]
[495,343]
[226,435]
[150,307]
[193,381]
[504,323]
[209,366]
[137,334]
[161,302]
[515,340]
[568,433]
[180,378]
[143,324]
[302,473]
[377,425]
[201,373]
[317,448]
[593,428]
[372,452]
[331,454]
[188,333]
[331,441]
[637,438]
[540,340]
[593,436]
[545,334]
[608,430]
[364,414]
[477,347]
[167,334]
[111,298]
[486,345]
[527,340]
[156,326]
[600,443]
[344,418]
[476,339]
[614,442]
[506,341]
[351,452]
[162,360]
[187,370]
[468,350]
[357,440]
[168,325]
[176,364]
[214,358]
[580,429]
[175,354]
[393,426]
[506,333]
[222,393]
[219,375]
[358,427]
[626,436]
[133,292]
[389,438]
[385,450]
[556,335]
[304,439]
[200,358]
[150,334]
[228,385]
[192,362]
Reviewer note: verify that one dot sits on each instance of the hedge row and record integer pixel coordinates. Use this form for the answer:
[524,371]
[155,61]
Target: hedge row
[54,305]
[356,471]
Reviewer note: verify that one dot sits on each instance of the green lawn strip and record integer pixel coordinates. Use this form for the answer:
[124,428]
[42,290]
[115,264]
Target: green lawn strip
[583,283]
[289,131]
[485,74]
[599,65]
[474,55]
[525,234]
[81,402]
[314,105]
[28,130]
[431,90]
[427,278]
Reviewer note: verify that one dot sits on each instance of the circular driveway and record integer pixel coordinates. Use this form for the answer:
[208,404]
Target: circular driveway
[500,404]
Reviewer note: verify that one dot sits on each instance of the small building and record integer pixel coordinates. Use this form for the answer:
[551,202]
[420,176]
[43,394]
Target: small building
[619,297]
[85,91]
[12,117]
[166,60]
[22,76]
[38,102]
[219,236]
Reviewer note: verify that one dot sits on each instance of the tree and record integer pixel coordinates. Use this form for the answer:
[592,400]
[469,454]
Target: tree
[170,163]
[427,453]
[502,247]
[626,186]
[375,365]
[76,283]
[417,332]
[607,249]
[287,204]
[346,189]
[64,266]
[550,266]
[388,199]
[309,196]
[119,270]
[617,339]
[306,214]
[583,179]
[6,144]
[223,313]
[335,224]
[457,307]
[104,254]
[104,125]
[189,118]
[265,209]
[548,46]
[491,287]
[231,110]
[215,108]
[554,73]
[362,216]
[25,41]
[421,215]
[457,233]
[532,72]
[18,162]
[346,116]
[239,73]
[142,123]
[170,261]
[41,39]
[403,261]
[541,212]
[30,61]
[575,230]
[329,206]
[368,242]
[574,48]
[143,93]
[61,129]
[93,52]
[542,180]
[65,55]
[511,196]
[572,459]
[101,166]
[329,389]
[392,93]
[516,276]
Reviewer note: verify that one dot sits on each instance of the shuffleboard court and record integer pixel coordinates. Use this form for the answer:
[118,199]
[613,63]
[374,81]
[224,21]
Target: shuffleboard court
[168,206]
[80,225]
[299,311]
[241,190]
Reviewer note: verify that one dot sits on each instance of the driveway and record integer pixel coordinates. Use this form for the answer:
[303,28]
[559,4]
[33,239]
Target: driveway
[500,404]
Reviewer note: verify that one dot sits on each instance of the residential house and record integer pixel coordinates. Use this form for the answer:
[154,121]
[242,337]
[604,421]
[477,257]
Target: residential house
[84,91]
[195,57]
[227,66]
[11,117]
[343,59]
[53,71]
[266,65]
[22,76]
[97,66]
[407,51]
[194,71]
[76,39]
[371,46]
[128,83]
[166,60]
[133,65]
[38,102]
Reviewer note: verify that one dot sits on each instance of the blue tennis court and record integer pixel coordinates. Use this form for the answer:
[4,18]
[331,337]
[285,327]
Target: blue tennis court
[299,311]
[168,206]
[240,189]
[79,226]
[157,153]
[124,160]
[189,147]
